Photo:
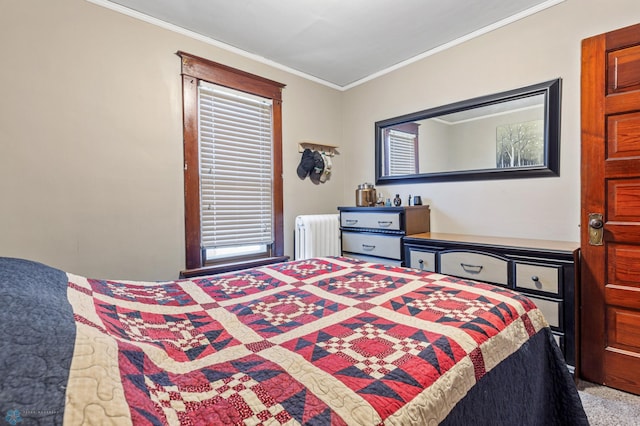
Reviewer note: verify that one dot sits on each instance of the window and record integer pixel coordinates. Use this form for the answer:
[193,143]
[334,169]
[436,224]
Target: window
[401,149]
[402,158]
[233,164]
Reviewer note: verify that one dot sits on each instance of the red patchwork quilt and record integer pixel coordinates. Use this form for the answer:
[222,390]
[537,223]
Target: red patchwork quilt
[320,341]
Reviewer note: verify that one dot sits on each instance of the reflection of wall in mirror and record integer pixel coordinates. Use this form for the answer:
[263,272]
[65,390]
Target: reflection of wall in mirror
[466,145]
[435,152]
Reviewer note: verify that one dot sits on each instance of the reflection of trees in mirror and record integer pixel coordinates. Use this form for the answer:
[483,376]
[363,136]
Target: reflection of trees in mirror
[520,144]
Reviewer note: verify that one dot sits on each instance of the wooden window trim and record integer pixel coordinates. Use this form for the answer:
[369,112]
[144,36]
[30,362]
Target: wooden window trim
[195,69]
[231,267]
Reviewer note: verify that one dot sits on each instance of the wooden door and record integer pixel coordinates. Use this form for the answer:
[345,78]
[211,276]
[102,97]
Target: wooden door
[610,186]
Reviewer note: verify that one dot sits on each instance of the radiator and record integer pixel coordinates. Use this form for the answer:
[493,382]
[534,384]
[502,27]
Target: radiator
[317,235]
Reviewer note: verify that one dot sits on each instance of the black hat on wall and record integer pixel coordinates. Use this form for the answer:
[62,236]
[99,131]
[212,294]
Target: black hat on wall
[306,164]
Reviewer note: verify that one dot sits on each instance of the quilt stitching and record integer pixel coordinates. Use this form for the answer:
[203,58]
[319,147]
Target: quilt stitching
[481,317]
[228,287]
[305,268]
[184,337]
[296,335]
[361,285]
[282,312]
[237,392]
[170,294]
[359,353]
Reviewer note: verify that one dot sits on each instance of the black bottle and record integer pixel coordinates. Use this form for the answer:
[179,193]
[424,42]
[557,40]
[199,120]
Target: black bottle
[397,201]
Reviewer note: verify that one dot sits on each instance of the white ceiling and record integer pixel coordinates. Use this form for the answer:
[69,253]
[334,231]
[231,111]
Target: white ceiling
[340,43]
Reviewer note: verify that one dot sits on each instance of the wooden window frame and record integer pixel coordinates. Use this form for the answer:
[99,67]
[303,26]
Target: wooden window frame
[194,69]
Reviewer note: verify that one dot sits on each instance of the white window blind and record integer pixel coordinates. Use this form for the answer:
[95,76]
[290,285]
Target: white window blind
[402,154]
[235,138]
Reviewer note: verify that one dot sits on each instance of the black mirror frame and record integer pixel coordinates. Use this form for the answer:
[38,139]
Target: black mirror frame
[551,167]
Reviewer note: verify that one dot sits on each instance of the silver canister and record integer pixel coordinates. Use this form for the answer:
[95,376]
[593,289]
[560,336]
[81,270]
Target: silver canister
[365,195]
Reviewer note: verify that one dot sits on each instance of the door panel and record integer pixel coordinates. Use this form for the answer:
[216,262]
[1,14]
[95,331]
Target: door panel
[610,293]
[623,333]
[622,370]
[624,70]
[624,265]
[624,200]
[624,136]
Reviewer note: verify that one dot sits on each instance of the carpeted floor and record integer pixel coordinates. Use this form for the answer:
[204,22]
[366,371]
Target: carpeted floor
[609,407]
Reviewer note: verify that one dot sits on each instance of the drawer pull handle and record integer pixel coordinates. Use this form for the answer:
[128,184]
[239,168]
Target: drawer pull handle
[471,269]
[384,223]
[368,247]
[351,221]
[536,281]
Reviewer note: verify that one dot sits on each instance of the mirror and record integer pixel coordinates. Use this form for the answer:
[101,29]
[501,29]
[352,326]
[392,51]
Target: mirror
[514,134]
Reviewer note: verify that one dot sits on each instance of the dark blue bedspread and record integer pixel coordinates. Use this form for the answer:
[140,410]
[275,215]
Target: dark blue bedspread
[37,335]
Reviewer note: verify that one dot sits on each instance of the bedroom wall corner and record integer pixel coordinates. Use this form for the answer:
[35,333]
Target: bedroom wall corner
[91,139]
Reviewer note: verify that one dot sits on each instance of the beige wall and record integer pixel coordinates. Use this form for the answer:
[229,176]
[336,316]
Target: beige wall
[535,49]
[90,132]
[91,139]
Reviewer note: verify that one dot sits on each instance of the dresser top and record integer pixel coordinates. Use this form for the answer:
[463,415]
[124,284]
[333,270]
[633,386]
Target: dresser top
[552,245]
[382,208]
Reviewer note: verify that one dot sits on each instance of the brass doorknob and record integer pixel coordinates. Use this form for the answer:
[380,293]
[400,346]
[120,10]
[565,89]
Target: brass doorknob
[596,223]
[596,231]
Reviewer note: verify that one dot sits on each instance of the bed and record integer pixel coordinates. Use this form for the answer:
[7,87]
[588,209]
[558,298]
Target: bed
[317,342]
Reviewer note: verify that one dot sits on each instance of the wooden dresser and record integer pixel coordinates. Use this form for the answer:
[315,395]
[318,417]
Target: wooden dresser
[375,233]
[545,271]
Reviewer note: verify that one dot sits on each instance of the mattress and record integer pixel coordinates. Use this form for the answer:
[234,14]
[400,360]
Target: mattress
[317,341]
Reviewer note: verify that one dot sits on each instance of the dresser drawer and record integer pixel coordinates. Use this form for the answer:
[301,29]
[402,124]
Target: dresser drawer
[476,266]
[372,245]
[423,260]
[373,220]
[538,277]
[550,309]
[373,259]
[513,263]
